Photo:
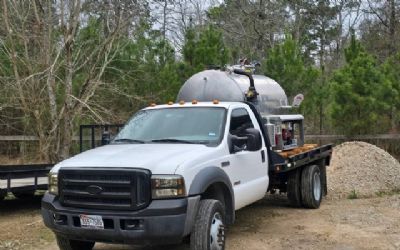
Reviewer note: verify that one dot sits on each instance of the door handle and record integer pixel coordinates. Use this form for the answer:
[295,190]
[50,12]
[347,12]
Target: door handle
[262,156]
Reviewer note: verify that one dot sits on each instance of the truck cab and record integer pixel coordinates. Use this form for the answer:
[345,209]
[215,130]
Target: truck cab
[178,171]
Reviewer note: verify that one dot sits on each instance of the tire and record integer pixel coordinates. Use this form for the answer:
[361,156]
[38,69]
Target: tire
[209,229]
[3,194]
[67,244]
[311,187]
[324,181]
[24,195]
[293,188]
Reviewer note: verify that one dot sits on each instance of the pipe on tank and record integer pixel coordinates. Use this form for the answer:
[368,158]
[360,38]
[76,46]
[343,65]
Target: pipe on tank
[252,93]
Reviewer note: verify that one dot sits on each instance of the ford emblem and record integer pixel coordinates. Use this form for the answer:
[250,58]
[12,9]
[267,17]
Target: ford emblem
[93,189]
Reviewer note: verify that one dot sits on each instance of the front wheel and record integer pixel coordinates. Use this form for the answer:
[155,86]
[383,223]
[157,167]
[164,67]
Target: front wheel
[311,187]
[67,244]
[209,229]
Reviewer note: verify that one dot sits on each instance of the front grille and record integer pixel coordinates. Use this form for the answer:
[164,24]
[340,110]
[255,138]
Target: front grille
[115,189]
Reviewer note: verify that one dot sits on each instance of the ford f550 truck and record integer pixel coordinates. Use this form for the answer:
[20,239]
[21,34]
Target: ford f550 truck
[181,170]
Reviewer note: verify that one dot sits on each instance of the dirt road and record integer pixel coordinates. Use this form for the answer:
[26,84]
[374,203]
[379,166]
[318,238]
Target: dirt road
[269,224]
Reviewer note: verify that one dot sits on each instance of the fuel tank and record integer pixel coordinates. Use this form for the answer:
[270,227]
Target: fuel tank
[209,85]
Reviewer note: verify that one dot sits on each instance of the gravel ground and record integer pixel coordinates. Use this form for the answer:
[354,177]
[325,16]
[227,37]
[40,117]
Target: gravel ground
[370,223]
[363,170]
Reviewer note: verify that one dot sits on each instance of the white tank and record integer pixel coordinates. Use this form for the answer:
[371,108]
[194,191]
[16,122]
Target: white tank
[209,85]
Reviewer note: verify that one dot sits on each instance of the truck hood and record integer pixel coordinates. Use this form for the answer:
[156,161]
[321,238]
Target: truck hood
[158,158]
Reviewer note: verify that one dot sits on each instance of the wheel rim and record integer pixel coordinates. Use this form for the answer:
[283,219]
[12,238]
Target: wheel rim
[217,233]
[317,186]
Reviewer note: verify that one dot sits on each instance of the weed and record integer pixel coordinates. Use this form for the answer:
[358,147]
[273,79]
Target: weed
[352,195]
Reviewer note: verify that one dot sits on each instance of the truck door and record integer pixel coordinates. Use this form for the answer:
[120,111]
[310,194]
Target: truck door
[248,170]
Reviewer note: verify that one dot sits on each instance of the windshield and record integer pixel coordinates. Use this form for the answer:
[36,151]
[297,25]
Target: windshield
[200,125]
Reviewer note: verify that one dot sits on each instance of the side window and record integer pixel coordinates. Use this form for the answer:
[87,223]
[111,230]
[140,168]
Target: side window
[240,121]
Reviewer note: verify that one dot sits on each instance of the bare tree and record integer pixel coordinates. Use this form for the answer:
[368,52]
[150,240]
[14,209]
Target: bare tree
[55,72]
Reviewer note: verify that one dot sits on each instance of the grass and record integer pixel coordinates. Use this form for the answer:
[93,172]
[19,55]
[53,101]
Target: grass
[353,195]
[388,193]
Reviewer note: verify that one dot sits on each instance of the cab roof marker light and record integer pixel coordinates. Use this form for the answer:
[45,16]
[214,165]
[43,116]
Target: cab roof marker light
[170,103]
[215,101]
[181,102]
[194,101]
[153,104]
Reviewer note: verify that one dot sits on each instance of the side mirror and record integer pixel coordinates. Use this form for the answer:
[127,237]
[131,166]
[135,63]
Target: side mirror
[236,143]
[251,141]
[254,141]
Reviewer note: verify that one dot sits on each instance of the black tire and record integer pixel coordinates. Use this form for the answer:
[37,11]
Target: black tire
[3,195]
[209,216]
[67,244]
[293,188]
[24,195]
[311,191]
[324,181]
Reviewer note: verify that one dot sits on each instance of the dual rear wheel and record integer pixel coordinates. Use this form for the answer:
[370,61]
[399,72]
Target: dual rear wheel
[305,188]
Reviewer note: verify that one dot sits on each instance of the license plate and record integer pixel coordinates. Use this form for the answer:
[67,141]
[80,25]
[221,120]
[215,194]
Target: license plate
[91,221]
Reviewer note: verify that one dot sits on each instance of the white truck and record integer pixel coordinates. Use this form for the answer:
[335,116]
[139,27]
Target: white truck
[181,170]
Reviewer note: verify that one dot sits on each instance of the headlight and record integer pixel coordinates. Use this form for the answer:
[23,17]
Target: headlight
[167,186]
[53,183]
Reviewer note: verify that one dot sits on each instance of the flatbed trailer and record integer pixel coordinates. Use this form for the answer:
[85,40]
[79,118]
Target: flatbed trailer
[23,180]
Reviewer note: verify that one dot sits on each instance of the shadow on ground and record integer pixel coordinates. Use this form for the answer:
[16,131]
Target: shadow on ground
[14,205]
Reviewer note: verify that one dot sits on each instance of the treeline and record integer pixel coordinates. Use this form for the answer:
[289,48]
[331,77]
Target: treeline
[64,63]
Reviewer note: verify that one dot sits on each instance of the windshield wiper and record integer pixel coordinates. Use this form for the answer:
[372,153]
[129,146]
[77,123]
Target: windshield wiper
[127,140]
[172,140]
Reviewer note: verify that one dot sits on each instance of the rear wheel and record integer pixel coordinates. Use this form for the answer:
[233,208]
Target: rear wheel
[209,229]
[293,188]
[311,187]
[67,244]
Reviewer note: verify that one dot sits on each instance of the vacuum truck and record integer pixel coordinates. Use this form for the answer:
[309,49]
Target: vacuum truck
[178,172]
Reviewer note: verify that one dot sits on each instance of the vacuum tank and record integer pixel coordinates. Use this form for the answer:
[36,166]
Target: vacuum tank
[228,86]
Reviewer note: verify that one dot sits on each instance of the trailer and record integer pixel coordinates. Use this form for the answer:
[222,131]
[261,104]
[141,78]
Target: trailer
[23,180]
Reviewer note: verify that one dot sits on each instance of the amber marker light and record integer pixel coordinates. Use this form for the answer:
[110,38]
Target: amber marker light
[153,104]
[215,101]
[170,103]
[181,102]
[194,101]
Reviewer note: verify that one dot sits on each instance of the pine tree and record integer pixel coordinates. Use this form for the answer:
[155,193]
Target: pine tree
[358,90]
[204,48]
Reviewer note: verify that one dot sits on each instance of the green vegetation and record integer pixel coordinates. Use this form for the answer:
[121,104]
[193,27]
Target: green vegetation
[108,60]
[388,193]
[353,195]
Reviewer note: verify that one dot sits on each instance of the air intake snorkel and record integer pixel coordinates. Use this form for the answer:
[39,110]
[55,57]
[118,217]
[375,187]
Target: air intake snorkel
[251,94]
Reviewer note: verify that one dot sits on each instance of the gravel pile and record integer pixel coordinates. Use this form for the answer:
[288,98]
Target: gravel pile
[363,169]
